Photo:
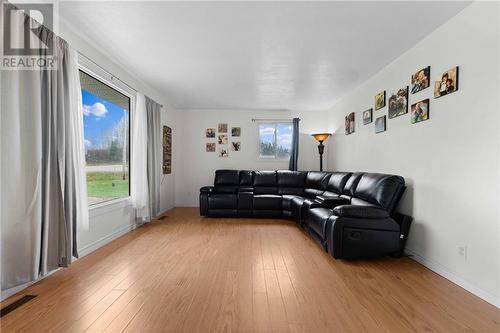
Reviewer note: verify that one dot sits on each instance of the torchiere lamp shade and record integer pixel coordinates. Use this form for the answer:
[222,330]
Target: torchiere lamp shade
[321,137]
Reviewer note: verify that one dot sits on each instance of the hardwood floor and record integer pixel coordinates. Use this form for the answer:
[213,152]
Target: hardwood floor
[191,274]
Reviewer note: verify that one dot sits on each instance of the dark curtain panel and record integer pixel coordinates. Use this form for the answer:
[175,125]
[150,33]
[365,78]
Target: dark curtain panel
[294,153]
[153,110]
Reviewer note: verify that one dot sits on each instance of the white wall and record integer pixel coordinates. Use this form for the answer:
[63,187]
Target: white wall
[109,222]
[196,167]
[451,161]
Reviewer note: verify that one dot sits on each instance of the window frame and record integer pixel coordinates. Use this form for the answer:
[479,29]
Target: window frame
[103,76]
[275,123]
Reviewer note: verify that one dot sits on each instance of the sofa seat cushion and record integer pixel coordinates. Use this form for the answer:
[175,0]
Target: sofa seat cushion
[267,202]
[312,193]
[287,201]
[317,219]
[223,201]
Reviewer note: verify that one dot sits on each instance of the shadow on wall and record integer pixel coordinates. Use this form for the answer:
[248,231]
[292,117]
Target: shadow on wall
[406,205]
[407,200]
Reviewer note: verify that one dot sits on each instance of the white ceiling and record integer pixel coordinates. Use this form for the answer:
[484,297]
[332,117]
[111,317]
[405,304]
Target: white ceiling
[256,55]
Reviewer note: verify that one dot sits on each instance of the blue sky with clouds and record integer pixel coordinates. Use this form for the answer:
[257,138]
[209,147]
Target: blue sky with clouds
[284,133]
[99,117]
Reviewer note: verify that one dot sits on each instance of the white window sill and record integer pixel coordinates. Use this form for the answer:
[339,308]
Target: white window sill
[107,206]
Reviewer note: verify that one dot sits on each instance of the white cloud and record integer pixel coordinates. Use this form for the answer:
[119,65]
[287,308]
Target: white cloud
[285,139]
[266,131]
[98,110]
[87,143]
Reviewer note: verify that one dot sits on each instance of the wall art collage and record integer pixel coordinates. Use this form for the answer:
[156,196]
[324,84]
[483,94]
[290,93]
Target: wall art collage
[398,101]
[221,136]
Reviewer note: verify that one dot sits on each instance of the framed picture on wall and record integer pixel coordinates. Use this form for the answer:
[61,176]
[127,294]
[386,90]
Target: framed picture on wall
[367,116]
[380,100]
[222,139]
[210,147]
[167,150]
[420,111]
[235,146]
[235,131]
[222,128]
[349,123]
[210,132]
[398,103]
[223,152]
[421,80]
[447,84]
[380,124]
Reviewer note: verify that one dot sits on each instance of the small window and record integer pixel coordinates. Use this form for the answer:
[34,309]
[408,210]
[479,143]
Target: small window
[106,114]
[275,140]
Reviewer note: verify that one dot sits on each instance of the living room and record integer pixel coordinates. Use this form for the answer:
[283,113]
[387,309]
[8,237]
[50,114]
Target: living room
[251,166]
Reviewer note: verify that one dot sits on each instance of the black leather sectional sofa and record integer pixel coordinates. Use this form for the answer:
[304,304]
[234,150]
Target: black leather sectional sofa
[352,215]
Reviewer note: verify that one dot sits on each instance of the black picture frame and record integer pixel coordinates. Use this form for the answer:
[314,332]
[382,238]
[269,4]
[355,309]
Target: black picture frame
[396,111]
[383,94]
[380,124]
[414,88]
[367,120]
[457,80]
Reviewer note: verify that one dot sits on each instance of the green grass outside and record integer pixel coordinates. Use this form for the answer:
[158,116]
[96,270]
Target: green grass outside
[107,185]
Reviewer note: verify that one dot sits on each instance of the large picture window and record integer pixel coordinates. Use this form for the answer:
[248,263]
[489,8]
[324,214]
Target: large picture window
[275,140]
[106,114]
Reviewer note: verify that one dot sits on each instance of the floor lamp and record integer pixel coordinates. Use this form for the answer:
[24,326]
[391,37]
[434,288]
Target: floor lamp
[321,137]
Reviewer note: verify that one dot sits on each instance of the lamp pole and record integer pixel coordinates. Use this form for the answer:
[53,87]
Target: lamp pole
[321,137]
[321,150]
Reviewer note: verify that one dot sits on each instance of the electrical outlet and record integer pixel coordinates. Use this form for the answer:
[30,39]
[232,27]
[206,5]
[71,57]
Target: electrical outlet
[462,251]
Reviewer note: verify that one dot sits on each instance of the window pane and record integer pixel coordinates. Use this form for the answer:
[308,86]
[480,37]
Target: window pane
[284,140]
[106,131]
[267,146]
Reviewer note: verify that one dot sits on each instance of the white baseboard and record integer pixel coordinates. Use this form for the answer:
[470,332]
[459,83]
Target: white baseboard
[89,248]
[453,277]
[82,252]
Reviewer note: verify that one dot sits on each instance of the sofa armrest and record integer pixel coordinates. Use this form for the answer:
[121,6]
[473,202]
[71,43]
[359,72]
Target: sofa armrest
[358,211]
[207,189]
[328,202]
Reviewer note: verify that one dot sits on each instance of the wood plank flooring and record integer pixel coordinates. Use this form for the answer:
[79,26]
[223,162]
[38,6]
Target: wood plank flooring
[190,274]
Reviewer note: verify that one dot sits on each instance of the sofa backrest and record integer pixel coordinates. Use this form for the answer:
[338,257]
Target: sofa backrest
[291,182]
[350,185]
[226,181]
[336,183]
[265,182]
[379,189]
[316,182]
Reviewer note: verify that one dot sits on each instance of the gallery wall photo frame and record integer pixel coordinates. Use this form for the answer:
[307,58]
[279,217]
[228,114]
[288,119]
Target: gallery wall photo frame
[210,147]
[367,116]
[398,103]
[236,131]
[380,124]
[210,133]
[448,83]
[222,127]
[420,111]
[421,80]
[380,100]
[167,150]
[350,124]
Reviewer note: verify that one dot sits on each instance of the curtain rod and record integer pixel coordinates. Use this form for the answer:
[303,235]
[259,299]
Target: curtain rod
[262,119]
[109,73]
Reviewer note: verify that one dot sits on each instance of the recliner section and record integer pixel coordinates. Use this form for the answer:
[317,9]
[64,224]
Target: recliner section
[351,215]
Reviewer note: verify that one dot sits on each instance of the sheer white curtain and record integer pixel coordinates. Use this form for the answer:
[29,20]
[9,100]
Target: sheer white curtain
[43,187]
[139,169]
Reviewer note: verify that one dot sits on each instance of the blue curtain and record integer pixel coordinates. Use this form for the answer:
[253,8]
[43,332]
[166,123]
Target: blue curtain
[294,153]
